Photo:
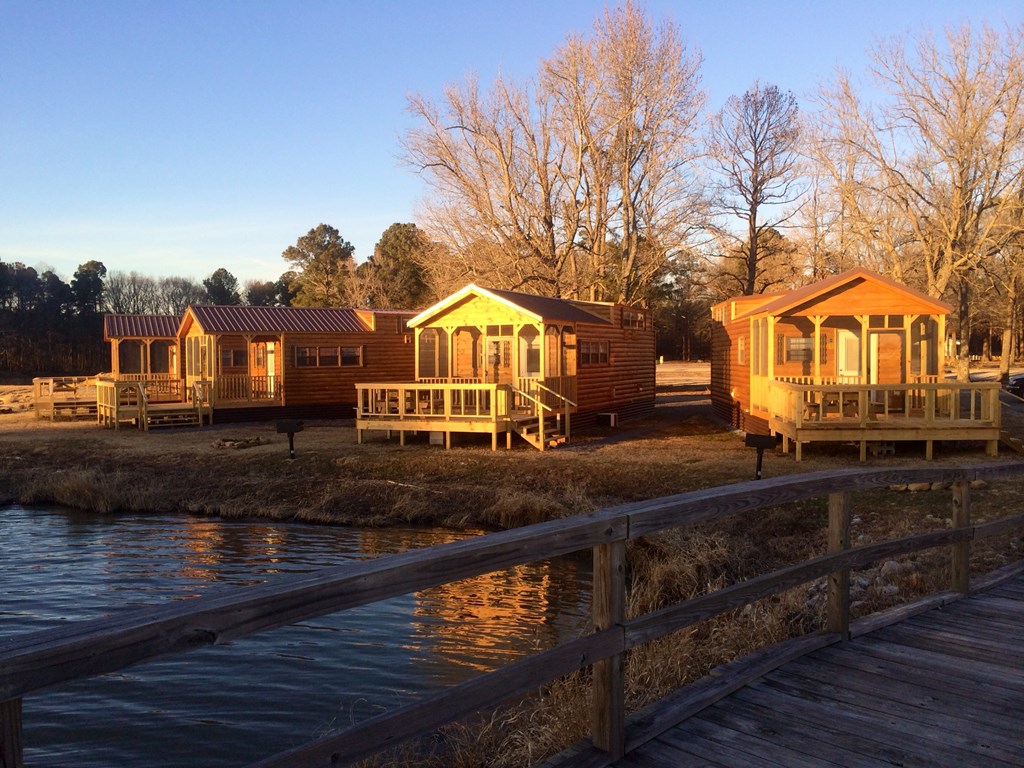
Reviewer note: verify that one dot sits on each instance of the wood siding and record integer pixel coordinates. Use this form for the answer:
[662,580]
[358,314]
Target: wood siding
[625,385]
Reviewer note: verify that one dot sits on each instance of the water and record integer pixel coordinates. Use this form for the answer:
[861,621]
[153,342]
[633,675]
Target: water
[234,704]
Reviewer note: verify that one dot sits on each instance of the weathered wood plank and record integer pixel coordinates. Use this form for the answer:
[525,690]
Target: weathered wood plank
[838,619]
[976,649]
[35,660]
[481,693]
[608,708]
[676,617]
[11,749]
[735,748]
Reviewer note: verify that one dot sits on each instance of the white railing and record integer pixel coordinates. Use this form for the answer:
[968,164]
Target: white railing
[246,388]
[422,400]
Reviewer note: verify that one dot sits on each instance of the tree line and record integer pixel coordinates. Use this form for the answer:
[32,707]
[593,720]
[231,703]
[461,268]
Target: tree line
[605,177]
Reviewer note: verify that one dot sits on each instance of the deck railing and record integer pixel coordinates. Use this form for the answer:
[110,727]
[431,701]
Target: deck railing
[246,388]
[931,404]
[35,661]
[118,402]
[437,401]
[51,394]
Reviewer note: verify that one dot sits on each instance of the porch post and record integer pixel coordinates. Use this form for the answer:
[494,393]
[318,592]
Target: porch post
[865,321]
[817,320]
[771,348]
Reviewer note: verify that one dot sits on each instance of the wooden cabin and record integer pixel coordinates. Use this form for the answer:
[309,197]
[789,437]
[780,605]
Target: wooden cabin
[853,358]
[249,363]
[502,362]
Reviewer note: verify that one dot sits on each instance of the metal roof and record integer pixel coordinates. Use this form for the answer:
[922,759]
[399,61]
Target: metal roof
[232,319]
[140,326]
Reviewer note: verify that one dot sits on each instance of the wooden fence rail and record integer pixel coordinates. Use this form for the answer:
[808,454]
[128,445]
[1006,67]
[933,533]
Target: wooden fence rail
[34,661]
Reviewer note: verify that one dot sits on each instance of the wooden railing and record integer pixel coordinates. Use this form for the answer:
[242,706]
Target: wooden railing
[118,402]
[937,403]
[245,388]
[53,393]
[35,661]
[438,401]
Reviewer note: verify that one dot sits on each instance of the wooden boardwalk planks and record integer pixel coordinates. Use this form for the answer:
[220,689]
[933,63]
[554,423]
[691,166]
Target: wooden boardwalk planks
[944,688]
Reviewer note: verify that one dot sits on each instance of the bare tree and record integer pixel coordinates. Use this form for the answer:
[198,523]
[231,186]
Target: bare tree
[753,145]
[575,184]
[176,293]
[132,293]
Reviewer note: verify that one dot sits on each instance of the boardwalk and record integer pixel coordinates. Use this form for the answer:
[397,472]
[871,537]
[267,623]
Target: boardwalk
[944,688]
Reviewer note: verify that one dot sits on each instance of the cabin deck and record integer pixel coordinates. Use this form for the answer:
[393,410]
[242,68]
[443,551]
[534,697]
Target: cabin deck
[881,414]
[944,687]
[64,396]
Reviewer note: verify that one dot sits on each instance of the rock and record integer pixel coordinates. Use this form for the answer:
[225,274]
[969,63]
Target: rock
[890,589]
[902,487]
[915,487]
[978,484]
[856,520]
[238,443]
[889,569]
[940,486]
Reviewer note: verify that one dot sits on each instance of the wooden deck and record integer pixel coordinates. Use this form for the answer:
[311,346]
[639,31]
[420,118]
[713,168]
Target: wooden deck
[942,688]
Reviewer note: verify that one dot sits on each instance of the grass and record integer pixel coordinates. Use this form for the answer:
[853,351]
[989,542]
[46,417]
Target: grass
[334,481]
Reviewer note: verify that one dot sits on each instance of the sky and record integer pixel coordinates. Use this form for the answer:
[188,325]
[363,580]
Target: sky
[179,137]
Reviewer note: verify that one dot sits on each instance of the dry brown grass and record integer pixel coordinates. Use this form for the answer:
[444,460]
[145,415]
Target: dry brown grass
[333,480]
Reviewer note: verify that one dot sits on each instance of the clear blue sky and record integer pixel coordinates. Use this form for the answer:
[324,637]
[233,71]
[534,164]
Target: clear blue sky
[176,137]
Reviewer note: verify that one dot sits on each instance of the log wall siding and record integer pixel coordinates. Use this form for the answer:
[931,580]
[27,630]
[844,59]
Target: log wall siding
[386,356]
[625,385]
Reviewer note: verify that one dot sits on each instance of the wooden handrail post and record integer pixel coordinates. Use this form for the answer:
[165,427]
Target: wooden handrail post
[608,711]
[839,581]
[11,753]
[961,555]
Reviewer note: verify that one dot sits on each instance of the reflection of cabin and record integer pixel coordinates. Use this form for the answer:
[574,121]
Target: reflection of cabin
[853,358]
[245,363]
[498,362]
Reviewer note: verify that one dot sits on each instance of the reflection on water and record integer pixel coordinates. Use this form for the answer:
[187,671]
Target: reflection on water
[231,705]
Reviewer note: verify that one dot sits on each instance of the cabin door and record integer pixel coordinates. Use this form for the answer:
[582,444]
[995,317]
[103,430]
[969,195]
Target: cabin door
[847,354]
[887,358]
[271,367]
[498,359]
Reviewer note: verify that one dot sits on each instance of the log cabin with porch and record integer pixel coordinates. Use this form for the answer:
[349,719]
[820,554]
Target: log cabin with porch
[251,363]
[853,358]
[501,362]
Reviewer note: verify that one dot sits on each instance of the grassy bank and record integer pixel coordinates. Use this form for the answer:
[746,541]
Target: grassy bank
[244,471]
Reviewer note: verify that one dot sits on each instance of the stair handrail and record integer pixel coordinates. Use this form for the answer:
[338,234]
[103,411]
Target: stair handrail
[567,404]
[143,406]
[540,414]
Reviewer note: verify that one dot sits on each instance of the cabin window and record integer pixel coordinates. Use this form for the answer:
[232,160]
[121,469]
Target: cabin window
[233,358]
[741,350]
[327,357]
[632,318]
[593,352]
[432,353]
[799,349]
[352,355]
[261,355]
[499,330]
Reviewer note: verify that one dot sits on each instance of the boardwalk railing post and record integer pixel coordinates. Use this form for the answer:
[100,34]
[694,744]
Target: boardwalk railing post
[11,755]
[961,554]
[609,600]
[839,581]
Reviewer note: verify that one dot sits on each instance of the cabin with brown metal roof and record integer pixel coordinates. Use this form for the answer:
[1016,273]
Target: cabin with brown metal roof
[503,362]
[247,363]
[853,358]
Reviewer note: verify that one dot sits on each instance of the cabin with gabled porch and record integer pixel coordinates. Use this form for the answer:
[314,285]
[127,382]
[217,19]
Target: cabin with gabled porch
[252,363]
[853,358]
[501,362]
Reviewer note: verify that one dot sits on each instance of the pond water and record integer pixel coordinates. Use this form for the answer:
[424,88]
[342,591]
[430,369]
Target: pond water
[233,704]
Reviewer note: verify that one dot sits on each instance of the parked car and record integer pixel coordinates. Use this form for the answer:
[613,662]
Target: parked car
[1015,385]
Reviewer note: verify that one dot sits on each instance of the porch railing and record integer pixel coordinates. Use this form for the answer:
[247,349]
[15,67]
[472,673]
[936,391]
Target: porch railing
[930,403]
[248,388]
[424,400]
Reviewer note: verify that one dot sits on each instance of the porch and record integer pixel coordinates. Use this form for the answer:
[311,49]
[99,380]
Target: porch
[538,410]
[852,411]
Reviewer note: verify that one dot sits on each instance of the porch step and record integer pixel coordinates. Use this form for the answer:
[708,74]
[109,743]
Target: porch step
[528,429]
[1015,443]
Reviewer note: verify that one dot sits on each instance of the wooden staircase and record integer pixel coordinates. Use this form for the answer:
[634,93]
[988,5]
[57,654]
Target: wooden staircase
[1009,441]
[528,428]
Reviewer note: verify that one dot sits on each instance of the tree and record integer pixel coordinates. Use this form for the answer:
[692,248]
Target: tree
[222,288]
[322,261]
[175,294]
[87,287]
[261,293]
[395,277]
[132,293]
[927,178]
[575,184]
[753,143]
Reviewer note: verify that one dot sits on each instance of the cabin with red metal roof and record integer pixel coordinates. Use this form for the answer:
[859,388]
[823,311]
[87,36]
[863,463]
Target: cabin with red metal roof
[247,363]
[856,357]
[503,362]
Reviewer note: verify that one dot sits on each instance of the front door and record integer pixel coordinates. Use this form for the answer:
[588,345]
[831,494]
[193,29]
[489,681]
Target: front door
[887,365]
[847,354]
[498,359]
